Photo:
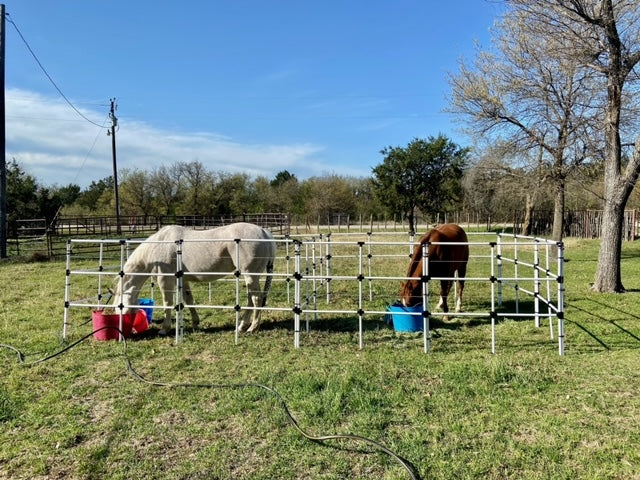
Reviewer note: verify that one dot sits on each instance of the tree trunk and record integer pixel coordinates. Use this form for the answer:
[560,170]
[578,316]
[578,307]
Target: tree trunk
[558,211]
[616,193]
[528,212]
[618,188]
[411,218]
[608,275]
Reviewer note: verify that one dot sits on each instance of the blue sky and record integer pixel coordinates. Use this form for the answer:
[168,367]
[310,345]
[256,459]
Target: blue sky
[249,86]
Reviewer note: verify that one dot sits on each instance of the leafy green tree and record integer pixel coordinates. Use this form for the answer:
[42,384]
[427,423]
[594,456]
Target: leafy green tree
[199,184]
[234,194]
[167,184]
[425,175]
[22,196]
[366,201]
[282,177]
[136,197]
[286,194]
[90,197]
[50,201]
[67,195]
[264,194]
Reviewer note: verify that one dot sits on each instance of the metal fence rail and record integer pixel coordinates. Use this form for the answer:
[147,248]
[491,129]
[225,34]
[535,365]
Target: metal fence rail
[308,267]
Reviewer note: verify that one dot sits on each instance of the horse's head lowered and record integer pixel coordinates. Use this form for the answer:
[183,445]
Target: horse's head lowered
[411,290]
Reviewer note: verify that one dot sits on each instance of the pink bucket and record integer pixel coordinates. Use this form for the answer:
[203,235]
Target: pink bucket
[132,323]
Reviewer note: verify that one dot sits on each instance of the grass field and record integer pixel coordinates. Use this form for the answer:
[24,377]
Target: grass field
[459,412]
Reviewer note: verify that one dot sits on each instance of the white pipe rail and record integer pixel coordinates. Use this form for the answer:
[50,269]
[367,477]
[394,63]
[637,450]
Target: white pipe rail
[308,278]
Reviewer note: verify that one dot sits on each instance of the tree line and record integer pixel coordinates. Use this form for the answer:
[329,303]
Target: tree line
[190,188]
[429,177]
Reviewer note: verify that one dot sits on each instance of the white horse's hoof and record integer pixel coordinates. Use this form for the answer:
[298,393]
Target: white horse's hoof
[162,332]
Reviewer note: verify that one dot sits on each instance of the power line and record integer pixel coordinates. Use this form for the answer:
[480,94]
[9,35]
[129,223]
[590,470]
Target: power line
[10,20]
[90,150]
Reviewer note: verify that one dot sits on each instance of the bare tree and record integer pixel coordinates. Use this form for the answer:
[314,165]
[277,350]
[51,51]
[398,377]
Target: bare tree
[497,185]
[604,36]
[525,97]
[329,195]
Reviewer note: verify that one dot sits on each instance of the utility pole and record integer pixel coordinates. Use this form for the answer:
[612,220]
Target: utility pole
[114,124]
[3,144]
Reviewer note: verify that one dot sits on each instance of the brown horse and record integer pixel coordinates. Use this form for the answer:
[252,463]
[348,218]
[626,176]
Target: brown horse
[444,261]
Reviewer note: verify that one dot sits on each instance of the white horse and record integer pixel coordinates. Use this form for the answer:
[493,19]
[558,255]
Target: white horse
[203,251]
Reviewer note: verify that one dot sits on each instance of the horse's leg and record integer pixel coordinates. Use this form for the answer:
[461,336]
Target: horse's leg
[254,299]
[445,286]
[246,322]
[188,297]
[462,272]
[166,285]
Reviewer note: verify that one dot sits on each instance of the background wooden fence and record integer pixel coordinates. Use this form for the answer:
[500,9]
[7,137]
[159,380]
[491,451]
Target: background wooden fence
[38,240]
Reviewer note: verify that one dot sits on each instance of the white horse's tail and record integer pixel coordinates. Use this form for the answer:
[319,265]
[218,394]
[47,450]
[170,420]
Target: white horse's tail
[267,283]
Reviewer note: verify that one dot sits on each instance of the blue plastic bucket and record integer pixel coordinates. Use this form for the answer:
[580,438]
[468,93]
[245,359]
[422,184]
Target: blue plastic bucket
[406,319]
[149,303]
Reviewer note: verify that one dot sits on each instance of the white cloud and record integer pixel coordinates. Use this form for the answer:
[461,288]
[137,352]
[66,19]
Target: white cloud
[54,144]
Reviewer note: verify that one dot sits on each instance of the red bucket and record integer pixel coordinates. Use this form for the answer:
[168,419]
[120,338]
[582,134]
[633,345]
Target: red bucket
[132,323]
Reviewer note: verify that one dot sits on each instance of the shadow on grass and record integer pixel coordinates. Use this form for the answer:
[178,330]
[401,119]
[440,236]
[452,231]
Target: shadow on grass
[602,318]
[517,311]
[349,323]
[331,322]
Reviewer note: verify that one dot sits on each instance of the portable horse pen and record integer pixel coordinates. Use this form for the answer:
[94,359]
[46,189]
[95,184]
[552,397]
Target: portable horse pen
[309,270]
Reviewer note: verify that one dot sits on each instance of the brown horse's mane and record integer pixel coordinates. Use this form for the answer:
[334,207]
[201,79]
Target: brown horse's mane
[417,253]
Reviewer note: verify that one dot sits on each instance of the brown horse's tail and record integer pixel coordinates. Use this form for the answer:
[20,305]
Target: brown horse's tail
[267,283]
